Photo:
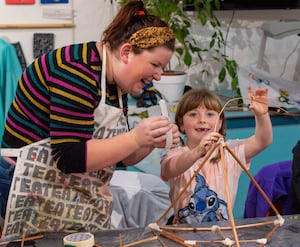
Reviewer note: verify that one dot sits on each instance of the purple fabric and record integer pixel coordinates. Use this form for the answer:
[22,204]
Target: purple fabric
[276,181]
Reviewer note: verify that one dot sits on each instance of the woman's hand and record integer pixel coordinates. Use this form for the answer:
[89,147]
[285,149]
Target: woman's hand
[258,100]
[175,135]
[152,132]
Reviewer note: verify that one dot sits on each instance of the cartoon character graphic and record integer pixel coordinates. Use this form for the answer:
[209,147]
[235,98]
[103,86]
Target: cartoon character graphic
[204,205]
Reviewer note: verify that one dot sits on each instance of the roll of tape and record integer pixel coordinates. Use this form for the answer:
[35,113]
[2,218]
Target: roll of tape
[80,239]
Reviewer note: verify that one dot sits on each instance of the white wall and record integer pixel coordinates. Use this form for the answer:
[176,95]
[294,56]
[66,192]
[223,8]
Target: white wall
[243,43]
[245,36]
[92,16]
[89,16]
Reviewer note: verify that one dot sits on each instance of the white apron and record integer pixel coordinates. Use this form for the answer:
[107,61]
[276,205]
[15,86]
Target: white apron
[43,199]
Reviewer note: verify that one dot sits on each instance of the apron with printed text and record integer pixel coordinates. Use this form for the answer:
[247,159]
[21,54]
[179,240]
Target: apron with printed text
[44,199]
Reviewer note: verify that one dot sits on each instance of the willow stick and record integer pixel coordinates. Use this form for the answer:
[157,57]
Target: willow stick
[219,230]
[220,241]
[145,240]
[269,235]
[255,224]
[175,238]
[161,242]
[155,233]
[22,240]
[178,228]
[254,182]
[229,204]
[186,186]
[120,236]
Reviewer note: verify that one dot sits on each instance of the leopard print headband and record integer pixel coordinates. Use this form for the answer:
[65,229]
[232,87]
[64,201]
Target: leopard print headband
[150,37]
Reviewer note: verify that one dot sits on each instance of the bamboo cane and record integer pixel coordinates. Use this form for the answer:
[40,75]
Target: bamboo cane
[229,205]
[145,240]
[186,186]
[22,240]
[254,182]
[179,228]
[174,238]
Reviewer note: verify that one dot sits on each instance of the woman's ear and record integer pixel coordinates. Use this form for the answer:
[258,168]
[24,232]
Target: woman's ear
[124,52]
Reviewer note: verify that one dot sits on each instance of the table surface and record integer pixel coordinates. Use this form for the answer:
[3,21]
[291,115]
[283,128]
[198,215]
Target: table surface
[286,235]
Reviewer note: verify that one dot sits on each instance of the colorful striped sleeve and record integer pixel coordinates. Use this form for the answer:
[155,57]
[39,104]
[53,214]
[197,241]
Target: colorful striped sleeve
[56,98]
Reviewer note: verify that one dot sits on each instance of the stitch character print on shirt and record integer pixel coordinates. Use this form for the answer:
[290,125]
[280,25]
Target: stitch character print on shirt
[204,205]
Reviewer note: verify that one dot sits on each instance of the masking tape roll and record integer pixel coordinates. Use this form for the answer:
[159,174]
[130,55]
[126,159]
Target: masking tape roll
[80,239]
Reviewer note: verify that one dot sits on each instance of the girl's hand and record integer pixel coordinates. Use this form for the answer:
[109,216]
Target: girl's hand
[207,143]
[152,132]
[258,100]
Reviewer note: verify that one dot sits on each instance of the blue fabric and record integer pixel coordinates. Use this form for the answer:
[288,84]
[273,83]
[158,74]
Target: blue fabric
[276,181]
[295,204]
[10,71]
[6,176]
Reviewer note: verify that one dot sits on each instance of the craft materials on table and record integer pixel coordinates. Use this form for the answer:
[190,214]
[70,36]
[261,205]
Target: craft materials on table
[80,239]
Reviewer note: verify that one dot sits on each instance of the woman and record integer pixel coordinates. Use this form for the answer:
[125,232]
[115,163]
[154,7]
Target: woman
[74,101]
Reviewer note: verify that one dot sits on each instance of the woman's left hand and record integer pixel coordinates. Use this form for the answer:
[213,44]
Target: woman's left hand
[152,132]
[175,137]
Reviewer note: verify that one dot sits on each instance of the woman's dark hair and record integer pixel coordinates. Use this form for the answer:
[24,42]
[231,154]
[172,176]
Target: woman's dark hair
[130,20]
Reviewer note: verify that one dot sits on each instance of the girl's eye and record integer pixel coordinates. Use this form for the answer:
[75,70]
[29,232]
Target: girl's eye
[192,114]
[211,114]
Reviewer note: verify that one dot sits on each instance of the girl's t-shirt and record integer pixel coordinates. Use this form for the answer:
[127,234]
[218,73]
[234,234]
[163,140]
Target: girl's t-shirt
[205,198]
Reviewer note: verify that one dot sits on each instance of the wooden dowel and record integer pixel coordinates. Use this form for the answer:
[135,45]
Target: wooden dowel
[22,240]
[219,230]
[193,229]
[229,203]
[174,238]
[145,240]
[261,191]
[120,235]
[220,241]
[186,186]
[269,235]
[33,26]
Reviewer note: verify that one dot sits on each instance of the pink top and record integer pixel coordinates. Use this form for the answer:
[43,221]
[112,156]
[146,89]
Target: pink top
[212,173]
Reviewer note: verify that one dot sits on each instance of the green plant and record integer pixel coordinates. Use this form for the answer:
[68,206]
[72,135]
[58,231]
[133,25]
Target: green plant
[176,14]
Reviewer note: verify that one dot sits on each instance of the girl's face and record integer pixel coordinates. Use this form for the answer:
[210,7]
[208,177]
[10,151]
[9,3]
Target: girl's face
[133,71]
[198,122]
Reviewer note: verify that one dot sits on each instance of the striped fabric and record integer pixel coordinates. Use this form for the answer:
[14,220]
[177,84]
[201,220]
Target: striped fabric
[56,96]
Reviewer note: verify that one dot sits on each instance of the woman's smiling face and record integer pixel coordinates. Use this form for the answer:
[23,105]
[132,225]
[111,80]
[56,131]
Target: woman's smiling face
[136,70]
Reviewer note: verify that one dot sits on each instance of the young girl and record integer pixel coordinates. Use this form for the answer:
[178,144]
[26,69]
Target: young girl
[199,117]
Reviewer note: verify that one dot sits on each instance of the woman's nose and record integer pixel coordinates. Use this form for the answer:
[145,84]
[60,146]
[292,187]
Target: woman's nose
[157,74]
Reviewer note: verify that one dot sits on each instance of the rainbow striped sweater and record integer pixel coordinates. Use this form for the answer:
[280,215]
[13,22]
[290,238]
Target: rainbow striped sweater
[56,97]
